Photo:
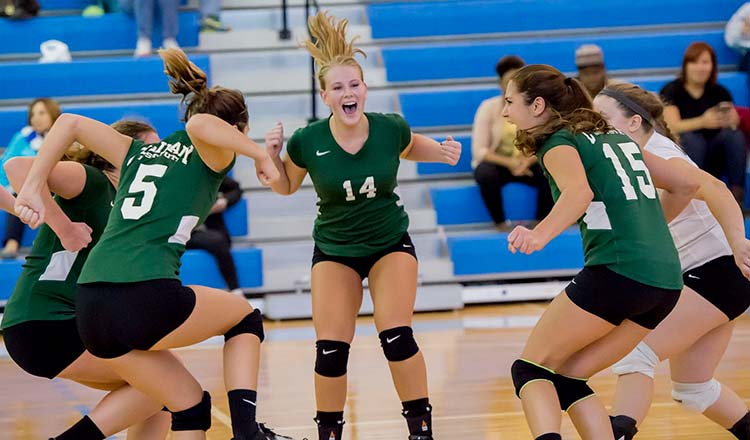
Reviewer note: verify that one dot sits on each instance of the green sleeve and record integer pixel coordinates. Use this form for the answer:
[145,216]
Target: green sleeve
[135,148]
[294,149]
[95,185]
[562,137]
[402,129]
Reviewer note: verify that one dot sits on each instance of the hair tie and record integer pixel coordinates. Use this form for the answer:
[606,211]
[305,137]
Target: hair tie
[568,81]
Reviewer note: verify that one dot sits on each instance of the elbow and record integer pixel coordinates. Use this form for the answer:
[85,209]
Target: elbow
[15,169]
[196,125]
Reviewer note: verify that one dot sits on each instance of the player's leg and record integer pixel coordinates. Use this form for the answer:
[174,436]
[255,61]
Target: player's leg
[336,300]
[393,286]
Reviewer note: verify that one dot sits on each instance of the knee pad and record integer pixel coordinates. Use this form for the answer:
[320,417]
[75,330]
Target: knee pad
[571,390]
[252,324]
[524,372]
[641,360]
[696,397]
[331,358]
[197,418]
[398,343]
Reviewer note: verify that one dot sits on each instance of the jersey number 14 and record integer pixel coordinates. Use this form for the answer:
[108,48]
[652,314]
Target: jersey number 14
[367,188]
[629,150]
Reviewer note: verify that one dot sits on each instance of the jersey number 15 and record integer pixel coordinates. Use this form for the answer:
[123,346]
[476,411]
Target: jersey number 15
[629,150]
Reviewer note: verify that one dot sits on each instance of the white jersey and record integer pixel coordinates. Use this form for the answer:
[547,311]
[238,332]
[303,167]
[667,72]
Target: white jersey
[696,233]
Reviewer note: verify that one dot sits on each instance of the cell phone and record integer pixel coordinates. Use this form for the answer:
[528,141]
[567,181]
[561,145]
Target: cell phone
[725,106]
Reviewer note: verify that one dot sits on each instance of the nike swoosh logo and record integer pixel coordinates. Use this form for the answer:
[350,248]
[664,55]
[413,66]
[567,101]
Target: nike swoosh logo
[389,340]
[693,277]
[621,438]
[321,153]
[250,402]
[329,352]
[407,246]
[112,203]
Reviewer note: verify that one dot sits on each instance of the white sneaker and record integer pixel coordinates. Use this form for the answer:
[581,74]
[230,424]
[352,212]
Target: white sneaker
[170,43]
[142,48]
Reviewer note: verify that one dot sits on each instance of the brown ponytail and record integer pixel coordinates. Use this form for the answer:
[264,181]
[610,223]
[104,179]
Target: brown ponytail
[191,82]
[648,101]
[569,104]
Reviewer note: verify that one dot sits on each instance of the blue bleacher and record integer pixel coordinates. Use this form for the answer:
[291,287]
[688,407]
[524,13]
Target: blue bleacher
[100,76]
[457,17]
[165,117]
[235,217]
[483,254]
[9,272]
[474,60]
[57,5]
[456,205]
[457,107]
[108,32]
[28,234]
[199,267]
[463,165]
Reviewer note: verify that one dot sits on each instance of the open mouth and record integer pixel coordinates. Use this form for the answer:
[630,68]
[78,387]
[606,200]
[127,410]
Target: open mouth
[350,108]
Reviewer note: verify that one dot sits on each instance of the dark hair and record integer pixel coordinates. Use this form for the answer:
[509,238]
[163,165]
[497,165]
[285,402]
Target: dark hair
[569,104]
[132,128]
[648,101]
[79,153]
[692,53]
[190,81]
[52,106]
[508,62]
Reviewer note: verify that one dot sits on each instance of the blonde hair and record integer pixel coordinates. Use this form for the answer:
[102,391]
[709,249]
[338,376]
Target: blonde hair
[329,46]
[191,82]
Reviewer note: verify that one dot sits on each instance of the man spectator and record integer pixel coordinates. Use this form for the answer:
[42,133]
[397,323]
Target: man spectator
[591,70]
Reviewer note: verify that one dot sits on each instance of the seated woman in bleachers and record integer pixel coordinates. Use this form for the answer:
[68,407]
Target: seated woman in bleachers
[702,113]
[495,159]
[42,114]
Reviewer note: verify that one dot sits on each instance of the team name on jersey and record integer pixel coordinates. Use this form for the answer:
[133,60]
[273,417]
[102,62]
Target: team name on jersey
[174,152]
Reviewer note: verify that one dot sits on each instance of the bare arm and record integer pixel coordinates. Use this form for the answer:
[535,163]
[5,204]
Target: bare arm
[217,141]
[676,178]
[565,166]
[481,133]
[67,179]
[679,125]
[425,149]
[290,175]
[7,201]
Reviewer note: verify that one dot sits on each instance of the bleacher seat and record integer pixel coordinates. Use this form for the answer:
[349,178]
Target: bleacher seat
[164,116]
[488,253]
[429,109]
[28,234]
[9,272]
[463,165]
[475,60]
[433,18]
[199,267]
[108,32]
[458,205]
[235,217]
[100,76]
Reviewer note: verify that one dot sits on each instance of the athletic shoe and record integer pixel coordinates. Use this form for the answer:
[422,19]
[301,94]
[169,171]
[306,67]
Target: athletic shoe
[265,433]
[170,43]
[142,48]
[420,437]
[213,24]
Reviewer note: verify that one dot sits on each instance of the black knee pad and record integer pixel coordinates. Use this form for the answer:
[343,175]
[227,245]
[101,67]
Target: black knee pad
[398,343]
[252,324]
[524,372]
[570,390]
[197,418]
[332,358]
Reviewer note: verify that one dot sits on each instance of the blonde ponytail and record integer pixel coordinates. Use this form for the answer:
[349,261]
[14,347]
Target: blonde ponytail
[329,46]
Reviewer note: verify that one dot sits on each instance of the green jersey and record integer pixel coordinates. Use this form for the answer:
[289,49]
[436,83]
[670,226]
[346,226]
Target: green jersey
[624,226]
[46,289]
[359,211]
[165,190]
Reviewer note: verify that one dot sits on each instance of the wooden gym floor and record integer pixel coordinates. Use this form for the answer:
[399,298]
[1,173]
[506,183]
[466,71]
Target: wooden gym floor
[468,355]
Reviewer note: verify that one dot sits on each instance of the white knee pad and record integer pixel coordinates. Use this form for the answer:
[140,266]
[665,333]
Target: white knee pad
[697,397]
[641,360]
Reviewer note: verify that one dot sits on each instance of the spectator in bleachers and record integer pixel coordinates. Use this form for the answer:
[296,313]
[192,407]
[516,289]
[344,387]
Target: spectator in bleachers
[737,35]
[495,159]
[42,114]
[213,236]
[144,11]
[591,70]
[702,113]
[19,9]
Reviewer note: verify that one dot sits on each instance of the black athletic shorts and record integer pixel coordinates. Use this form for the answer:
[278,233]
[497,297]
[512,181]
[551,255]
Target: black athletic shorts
[615,298]
[362,265]
[115,318]
[722,284]
[44,348]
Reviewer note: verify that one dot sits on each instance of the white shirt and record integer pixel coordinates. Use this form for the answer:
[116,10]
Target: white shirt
[696,232]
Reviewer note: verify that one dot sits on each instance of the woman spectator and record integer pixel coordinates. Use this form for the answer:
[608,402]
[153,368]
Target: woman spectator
[42,114]
[495,159]
[701,112]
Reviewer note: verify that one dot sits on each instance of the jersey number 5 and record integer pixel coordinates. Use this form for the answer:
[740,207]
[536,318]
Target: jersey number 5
[367,188]
[629,150]
[130,210]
